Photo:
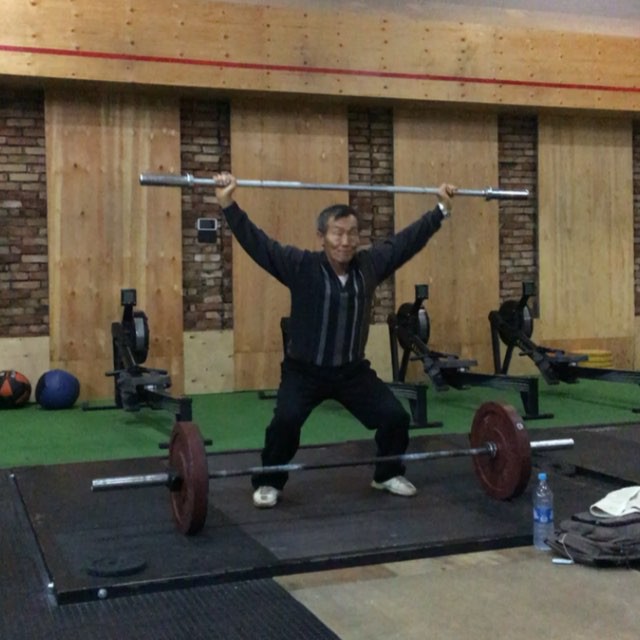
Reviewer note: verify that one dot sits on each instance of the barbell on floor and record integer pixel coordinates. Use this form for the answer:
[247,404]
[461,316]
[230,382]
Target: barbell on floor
[189,180]
[499,445]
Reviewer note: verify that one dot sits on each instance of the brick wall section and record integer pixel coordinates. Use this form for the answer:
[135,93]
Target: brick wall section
[636,213]
[517,169]
[371,162]
[208,302]
[205,149]
[24,279]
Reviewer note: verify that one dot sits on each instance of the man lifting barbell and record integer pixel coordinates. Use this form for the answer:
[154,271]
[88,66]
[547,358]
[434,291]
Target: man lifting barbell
[331,297]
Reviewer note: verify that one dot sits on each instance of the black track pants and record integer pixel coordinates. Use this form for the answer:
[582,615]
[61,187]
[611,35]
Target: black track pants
[358,388]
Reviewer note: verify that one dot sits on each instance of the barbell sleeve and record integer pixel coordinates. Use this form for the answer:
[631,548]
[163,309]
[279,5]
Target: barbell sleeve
[132,482]
[189,180]
[552,445]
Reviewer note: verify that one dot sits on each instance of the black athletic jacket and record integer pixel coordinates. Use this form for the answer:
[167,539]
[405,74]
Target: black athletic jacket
[329,322]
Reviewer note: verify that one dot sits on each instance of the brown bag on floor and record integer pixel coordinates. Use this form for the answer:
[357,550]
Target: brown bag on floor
[587,539]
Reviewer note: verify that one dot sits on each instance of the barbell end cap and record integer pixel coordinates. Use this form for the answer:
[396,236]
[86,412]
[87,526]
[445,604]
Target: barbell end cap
[498,194]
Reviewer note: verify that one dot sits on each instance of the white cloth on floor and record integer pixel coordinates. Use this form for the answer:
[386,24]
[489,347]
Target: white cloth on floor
[617,503]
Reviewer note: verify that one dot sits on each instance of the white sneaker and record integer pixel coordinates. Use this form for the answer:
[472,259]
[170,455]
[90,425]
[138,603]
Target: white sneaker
[397,485]
[265,497]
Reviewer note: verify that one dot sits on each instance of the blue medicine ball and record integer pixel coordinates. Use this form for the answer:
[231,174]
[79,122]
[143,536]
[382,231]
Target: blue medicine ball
[57,389]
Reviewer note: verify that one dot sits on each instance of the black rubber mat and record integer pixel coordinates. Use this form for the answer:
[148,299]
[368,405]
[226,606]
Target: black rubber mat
[325,519]
[83,533]
[608,450]
[239,611]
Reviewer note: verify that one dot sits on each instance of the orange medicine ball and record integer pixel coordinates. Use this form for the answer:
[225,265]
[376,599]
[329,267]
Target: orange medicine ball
[15,389]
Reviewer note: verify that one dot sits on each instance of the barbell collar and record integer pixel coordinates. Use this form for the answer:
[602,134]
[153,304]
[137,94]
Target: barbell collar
[189,180]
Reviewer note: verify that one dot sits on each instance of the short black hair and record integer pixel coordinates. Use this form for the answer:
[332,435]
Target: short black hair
[335,211]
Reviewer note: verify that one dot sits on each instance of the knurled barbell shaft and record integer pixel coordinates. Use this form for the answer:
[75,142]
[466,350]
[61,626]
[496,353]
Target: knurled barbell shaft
[189,180]
[168,479]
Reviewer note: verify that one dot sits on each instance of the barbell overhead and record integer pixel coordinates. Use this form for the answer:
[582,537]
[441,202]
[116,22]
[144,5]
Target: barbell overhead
[499,445]
[189,180]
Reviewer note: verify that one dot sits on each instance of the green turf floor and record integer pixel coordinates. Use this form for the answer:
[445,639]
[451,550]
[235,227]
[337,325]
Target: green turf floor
[34,436]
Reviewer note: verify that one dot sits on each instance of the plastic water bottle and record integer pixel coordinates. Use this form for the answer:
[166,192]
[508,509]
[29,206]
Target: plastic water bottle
[542,513]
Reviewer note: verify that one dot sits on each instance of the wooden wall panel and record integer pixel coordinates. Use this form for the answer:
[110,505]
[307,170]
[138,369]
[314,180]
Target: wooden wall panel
[460,263]
[586,234]
[107,233]
[280,141]
[29,356]
[208,361]
[319,50]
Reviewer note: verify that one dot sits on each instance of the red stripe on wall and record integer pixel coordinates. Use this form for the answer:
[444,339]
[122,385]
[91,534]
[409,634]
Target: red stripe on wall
[256,66]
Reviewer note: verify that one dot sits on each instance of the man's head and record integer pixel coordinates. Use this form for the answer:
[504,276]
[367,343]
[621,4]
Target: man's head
[337,228]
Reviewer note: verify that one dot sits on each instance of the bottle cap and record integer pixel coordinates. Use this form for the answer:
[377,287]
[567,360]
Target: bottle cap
[542,476]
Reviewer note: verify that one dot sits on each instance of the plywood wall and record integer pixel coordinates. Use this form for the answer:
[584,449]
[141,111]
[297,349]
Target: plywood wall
[461,263]
[278,140]
[586,234]
[107,233]
[318,50]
